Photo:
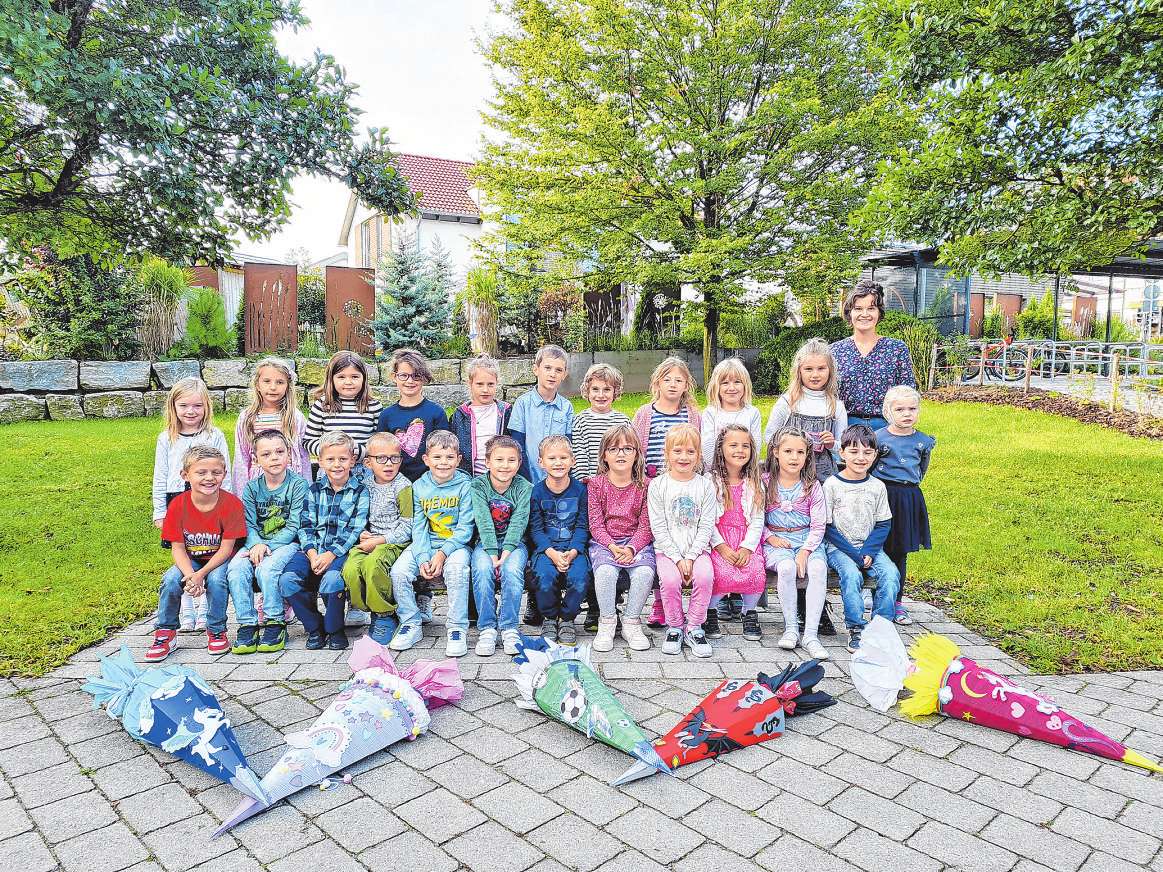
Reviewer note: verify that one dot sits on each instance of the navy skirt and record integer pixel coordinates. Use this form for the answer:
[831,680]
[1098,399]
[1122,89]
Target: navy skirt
[910,519]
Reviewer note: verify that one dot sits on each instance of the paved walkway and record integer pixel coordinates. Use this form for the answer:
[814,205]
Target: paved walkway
[493,787]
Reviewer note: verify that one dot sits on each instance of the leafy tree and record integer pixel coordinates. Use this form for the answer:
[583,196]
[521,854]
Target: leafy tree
[129,126]
[663,140]
[414,306]
[78,308]
[1044,147]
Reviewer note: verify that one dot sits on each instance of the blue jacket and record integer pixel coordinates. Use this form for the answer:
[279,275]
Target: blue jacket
[463,424]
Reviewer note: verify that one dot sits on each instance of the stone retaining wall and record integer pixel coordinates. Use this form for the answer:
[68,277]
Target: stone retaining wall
[71,390]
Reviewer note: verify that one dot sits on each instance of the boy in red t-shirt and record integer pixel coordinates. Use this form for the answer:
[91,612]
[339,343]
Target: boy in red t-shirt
[202,526]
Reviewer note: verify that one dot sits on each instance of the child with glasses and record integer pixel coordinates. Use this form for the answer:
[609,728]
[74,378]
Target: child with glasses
[412,417]
[367,572]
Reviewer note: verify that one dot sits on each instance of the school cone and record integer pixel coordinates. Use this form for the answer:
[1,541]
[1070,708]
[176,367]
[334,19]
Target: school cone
[739,713]
[956,686]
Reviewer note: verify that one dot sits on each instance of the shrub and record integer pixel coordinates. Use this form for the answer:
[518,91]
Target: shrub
[1036,321]
[207,336]
[774,363]
[162,285]
[79,309]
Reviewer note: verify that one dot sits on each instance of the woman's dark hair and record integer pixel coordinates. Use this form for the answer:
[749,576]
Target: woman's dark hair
[864,288]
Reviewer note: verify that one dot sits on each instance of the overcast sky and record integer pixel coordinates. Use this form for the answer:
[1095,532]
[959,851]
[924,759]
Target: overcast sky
[419,76]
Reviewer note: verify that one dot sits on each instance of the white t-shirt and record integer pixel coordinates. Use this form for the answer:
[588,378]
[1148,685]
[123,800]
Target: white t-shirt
[486,428]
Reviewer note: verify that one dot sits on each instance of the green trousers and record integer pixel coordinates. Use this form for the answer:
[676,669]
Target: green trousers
[369,579]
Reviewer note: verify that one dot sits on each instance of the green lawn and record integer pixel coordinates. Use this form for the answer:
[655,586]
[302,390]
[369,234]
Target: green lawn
[1047,535]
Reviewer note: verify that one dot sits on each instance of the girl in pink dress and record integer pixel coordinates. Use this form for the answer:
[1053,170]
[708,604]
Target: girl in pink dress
[736,556]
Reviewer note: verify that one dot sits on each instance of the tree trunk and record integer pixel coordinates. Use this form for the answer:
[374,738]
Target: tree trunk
[710,338]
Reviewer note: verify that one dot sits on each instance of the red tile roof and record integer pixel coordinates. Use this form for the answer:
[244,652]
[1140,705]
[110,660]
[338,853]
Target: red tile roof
[442,184]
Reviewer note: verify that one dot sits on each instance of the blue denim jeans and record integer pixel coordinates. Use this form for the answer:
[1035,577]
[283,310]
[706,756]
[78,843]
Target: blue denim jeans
[241,572]
[560,594]
[888,582]
[457,582]
[484,579]
[169,601]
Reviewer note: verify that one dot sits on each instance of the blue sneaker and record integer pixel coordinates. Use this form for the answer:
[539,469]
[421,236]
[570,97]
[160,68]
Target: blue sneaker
[407,636]
[383,627]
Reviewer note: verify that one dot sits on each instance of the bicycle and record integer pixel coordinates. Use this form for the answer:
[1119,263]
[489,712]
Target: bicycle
[1002,361]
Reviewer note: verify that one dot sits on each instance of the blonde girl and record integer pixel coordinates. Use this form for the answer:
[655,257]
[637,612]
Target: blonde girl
[796,516]
[621,538]
[904,459]
[189,418]
[728,402]
[272,407]
[343,402]
[683,512]
[812,404]
[736,556]
[672,389]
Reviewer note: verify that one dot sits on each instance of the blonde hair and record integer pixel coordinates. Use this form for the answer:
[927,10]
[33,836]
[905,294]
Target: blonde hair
[750,471]
[557,440]
[554,351]
[333,438]
[731,366]
[329,397]
[898,393]
[795,389]
[807,471]
[191,384]
[201,452]
[381,436]
[445,439]
[286,407]
[660,371]
[623,434]
[603,372]
[481,361]
[684,434]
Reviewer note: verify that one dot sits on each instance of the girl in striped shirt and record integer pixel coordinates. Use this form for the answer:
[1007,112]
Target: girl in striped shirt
[272,407]
[344,402]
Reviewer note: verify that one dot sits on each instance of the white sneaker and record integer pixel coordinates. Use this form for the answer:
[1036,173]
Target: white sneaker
[457,646]
[672,644]
[406,636]
[486,643]
[355,618]
[632,633]
[604,640]
[201,612]
[815,650]
[789,640]
[188,615]
[511,637]
[697,639]
[866,593]
[424,604]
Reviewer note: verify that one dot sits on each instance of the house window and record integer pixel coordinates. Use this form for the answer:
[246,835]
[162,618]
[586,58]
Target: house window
[365,244]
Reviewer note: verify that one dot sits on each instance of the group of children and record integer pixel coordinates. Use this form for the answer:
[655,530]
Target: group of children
[498,500]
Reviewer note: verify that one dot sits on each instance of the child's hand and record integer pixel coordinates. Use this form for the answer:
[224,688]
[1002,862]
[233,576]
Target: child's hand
[497,561]
[433,567]
[867,561]
[726,553]
[686,567]
[364,536]
[320,562]
[158,523]
[257,553]
[623,555]
[802,564]
[827,439]
[778,542]
[743,556]
[567,559]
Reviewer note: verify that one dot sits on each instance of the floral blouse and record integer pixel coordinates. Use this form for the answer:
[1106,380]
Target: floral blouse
[865,380]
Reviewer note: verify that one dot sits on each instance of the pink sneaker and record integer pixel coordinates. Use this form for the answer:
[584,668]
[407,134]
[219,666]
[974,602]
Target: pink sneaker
[258,608]
[289,615]
[657,615]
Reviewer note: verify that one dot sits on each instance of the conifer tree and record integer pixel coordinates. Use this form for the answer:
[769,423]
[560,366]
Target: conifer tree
[414,306]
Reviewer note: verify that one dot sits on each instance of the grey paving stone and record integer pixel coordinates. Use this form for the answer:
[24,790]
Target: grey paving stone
[871,776]
[867,850]
[158,807]
[709,857]
[116,747]
[1012,800]
[792,853]
[49,785]
[23,730]
[72,816]
[596,802]
[508,717]
[393,784]
[750,759]
[407,852]
[489,744]
[359,824]
[13,707]
[671,797]
[854,741]
[880,815]
[321,856]
[27,853]
[424,753]
[976,736]
[812,784]
[493,847]
[1046,756]
[32,757]
[449,721]
[235,861]
[123,779]
[736,830]
[949,808]
[517,807]
[550,737]
[85,726]
[1133,784]
[62,706]
[633,861]
[1143,817]
[859,716]
[806,820]
[13,819]
[286,710]
[743,791]
[1100,862]
[920,738]
[654,834]
[1035,843]
[466,776]
[806,749]
[574,843]
[1078,794]
[1000,766]
[188,843]
[596,759]
[934,770]
[439,815]
[109,849]
[1106,835]
[316,802]
[960,850]
[275,833]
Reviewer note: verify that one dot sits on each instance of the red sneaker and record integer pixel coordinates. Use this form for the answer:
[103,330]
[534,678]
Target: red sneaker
[217,643]
[164,641]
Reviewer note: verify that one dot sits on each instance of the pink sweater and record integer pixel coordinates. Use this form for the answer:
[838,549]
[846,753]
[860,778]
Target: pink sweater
[645,415]
[617,513]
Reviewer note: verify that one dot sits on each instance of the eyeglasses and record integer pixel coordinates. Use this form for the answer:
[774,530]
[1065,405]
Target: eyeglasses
[386,458]
[624,450]
[409,377]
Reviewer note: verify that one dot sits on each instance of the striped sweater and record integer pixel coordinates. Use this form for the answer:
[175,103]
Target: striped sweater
[359,426]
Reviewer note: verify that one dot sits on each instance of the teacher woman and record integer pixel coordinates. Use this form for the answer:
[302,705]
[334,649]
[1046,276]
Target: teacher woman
[868,364]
